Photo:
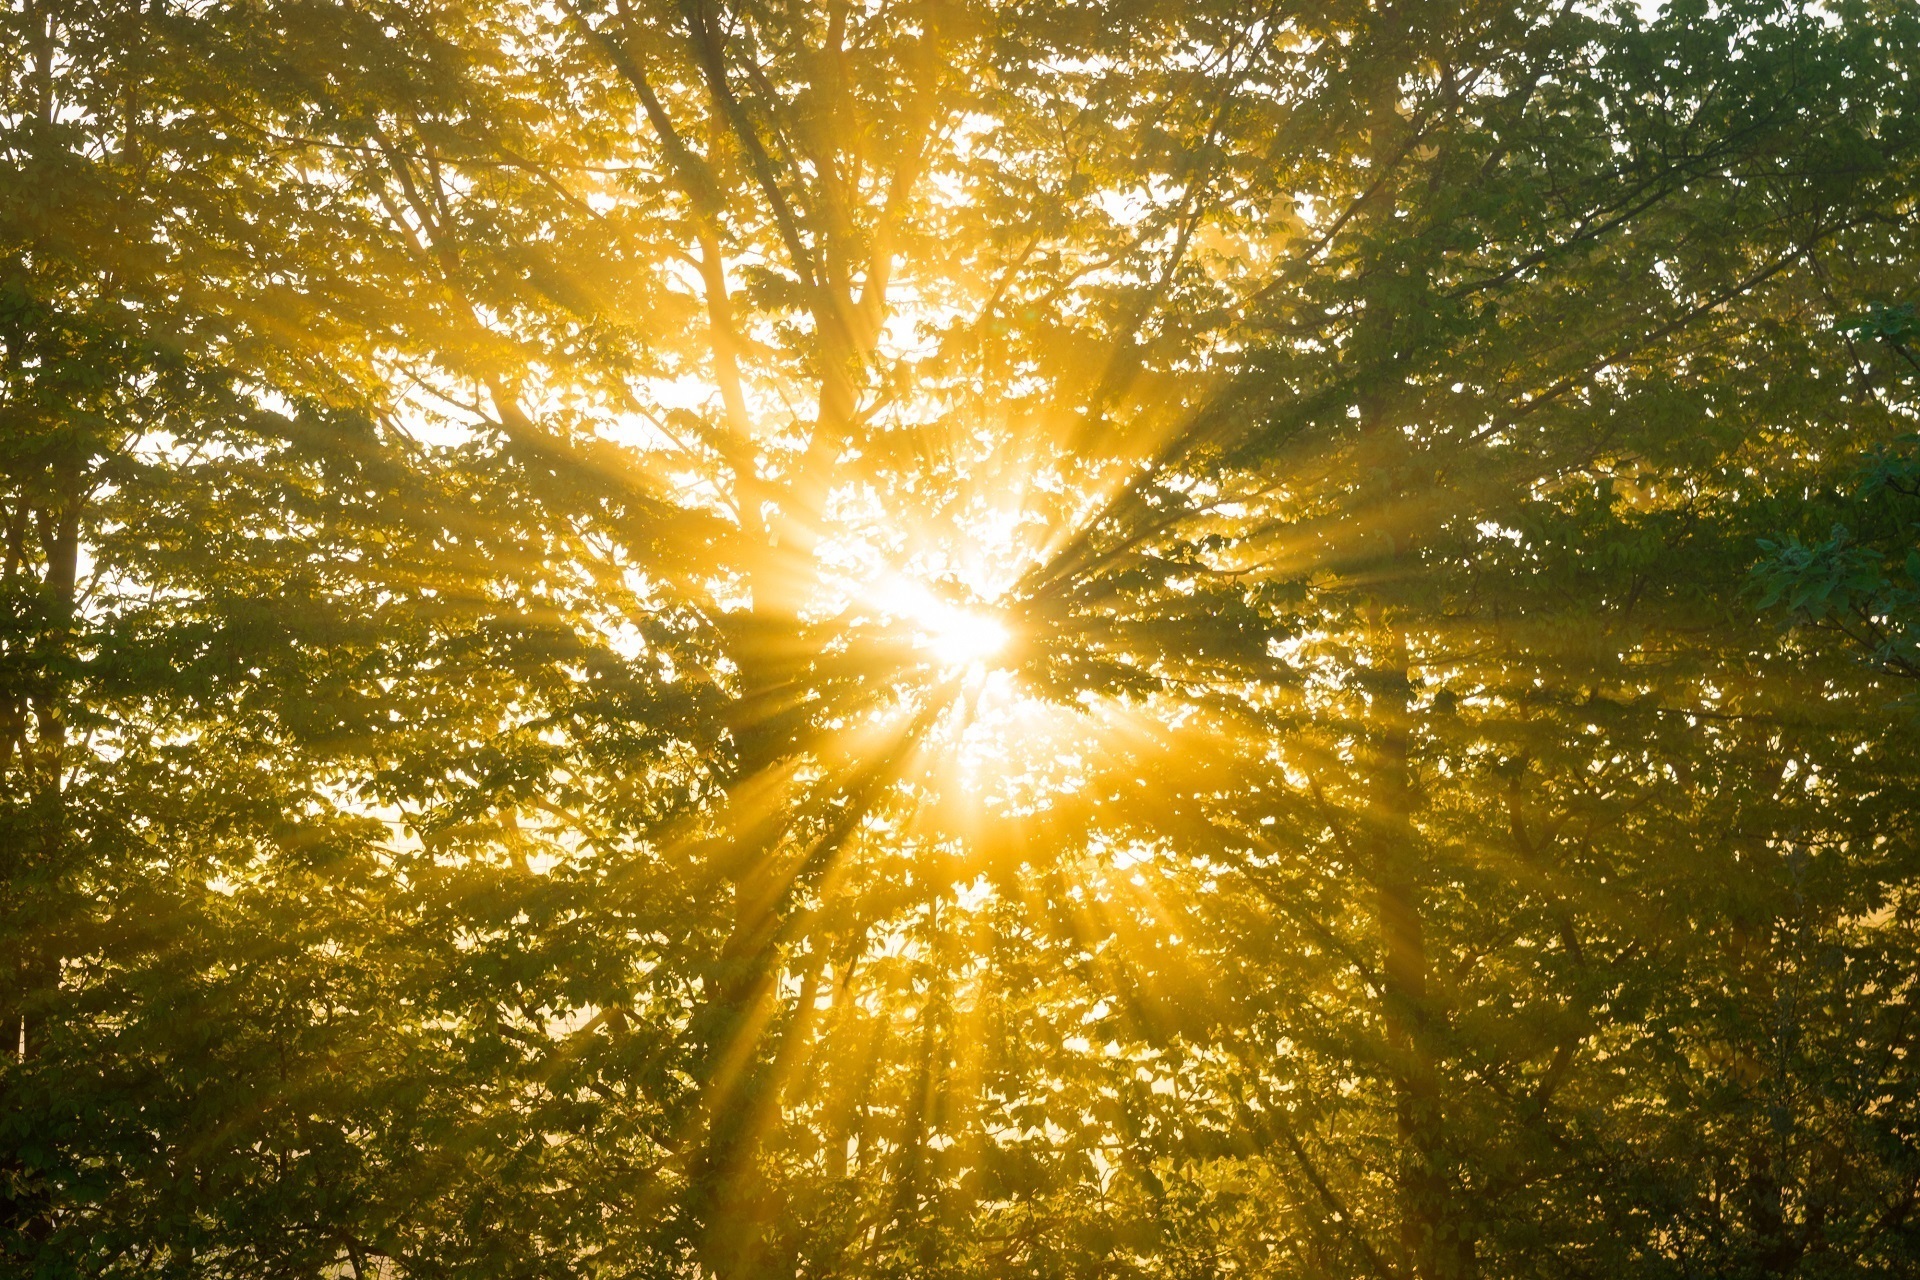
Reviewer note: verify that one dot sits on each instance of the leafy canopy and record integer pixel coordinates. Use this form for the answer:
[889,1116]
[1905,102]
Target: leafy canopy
[941,638]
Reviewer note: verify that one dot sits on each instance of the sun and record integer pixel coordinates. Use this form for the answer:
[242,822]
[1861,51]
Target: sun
[957,638]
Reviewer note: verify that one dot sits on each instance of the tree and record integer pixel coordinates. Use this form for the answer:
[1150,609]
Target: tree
[957,639]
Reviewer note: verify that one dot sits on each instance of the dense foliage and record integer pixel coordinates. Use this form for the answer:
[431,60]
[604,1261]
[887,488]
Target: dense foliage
[948,638]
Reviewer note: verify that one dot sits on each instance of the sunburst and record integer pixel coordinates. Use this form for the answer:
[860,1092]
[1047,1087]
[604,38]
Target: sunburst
[957,638]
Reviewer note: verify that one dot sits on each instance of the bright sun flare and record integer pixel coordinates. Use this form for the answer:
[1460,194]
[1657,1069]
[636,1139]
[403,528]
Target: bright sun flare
[958,637]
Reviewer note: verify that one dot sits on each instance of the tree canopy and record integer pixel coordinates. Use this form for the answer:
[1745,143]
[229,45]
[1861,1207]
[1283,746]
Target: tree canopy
[963,638]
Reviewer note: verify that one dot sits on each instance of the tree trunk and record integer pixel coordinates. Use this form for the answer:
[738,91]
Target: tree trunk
[1435,1241]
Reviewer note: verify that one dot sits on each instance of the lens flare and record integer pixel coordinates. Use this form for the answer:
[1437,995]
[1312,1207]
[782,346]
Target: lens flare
[957,637]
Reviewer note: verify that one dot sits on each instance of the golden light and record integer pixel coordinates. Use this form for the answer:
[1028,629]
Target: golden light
[957,637]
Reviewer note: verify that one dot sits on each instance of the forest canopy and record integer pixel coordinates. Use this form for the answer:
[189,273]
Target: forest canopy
[959,638]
